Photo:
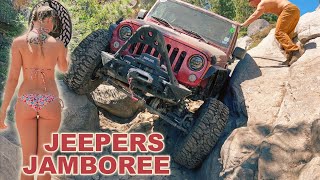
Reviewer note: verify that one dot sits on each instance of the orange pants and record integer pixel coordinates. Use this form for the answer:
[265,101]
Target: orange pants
[287,22]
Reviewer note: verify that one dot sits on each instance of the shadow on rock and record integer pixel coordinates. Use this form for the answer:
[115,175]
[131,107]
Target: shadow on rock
[258,153]
[315,136]
[311,45]
[246,69]
[285,152]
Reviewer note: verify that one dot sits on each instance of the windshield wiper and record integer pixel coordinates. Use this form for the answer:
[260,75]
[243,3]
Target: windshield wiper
[196,34]
[163,21]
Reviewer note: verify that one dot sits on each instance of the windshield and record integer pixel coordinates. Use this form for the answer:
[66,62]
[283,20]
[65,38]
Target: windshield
[212,28]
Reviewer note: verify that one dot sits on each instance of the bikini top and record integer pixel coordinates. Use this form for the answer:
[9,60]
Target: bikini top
[39,71]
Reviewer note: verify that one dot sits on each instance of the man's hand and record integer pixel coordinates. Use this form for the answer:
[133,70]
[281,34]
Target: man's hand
[2,118]
[239,24]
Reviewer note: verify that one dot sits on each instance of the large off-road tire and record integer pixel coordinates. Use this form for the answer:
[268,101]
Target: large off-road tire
[85,60]
[63,27]
[211,119]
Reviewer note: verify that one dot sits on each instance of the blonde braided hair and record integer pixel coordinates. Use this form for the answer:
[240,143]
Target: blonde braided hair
[39,14]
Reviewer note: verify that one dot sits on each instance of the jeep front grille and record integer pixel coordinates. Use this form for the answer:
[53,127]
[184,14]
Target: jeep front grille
[175,55]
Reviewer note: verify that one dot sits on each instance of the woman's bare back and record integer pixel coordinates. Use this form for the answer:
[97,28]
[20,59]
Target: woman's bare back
[38,63]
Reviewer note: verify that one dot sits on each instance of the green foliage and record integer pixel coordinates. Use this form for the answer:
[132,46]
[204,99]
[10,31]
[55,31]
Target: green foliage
[243,32]
[89,15]
[242,10]
[224,8]
[7,13]
[11,25]
[257,38]
[146,4]
[271,18]
[6,38]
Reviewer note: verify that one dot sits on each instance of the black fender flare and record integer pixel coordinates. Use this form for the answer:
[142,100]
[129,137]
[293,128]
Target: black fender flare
[113,26]
[218,77]
[212,70]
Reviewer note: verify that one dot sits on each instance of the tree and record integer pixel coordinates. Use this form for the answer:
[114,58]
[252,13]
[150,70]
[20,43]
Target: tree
[242,10]
[7,13]
[225,8]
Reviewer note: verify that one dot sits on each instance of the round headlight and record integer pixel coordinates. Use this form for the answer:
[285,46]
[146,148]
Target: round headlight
[196,63]
[125,32]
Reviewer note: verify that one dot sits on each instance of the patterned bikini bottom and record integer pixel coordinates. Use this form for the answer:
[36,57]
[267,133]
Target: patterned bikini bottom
[38,101]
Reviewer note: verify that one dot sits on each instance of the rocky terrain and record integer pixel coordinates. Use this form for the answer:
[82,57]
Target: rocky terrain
[280,139]
[273,127]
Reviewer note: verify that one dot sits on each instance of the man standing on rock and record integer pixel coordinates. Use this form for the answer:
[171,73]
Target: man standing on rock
[288,17]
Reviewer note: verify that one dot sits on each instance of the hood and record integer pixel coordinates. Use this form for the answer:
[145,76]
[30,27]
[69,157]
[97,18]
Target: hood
[188,40]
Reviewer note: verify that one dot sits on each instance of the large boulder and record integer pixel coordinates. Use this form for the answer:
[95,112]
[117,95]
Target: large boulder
[244,42]
[116,103]
[257,26]
[281,136]
[10,150]
[308,25]
[311,171]
[10,157]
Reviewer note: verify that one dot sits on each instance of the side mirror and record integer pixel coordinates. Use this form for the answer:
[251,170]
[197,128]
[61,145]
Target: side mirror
[142,13]
[239,53]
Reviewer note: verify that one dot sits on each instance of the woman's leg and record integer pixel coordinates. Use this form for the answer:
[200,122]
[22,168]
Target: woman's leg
[27,126]
[49,122]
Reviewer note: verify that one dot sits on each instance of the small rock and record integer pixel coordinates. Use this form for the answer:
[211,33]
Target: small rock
[244,42]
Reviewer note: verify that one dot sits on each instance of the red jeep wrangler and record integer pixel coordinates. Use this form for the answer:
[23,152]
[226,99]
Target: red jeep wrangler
[167,57]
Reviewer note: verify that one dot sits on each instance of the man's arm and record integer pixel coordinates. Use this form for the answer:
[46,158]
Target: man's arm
[254,16]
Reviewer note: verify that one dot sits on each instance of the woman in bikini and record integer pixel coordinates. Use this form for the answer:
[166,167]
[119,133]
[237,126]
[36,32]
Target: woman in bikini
[38,108]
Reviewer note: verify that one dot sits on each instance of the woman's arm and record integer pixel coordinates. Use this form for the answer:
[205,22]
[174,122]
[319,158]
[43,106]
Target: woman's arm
[62,63]
[12,81]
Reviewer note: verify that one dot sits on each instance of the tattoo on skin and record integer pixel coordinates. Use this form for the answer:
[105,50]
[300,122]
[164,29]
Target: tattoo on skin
[36,38]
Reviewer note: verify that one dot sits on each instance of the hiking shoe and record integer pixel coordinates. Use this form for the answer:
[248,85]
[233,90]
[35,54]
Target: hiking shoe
[288,59]
[293,56]
[286,63]
[296,55]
